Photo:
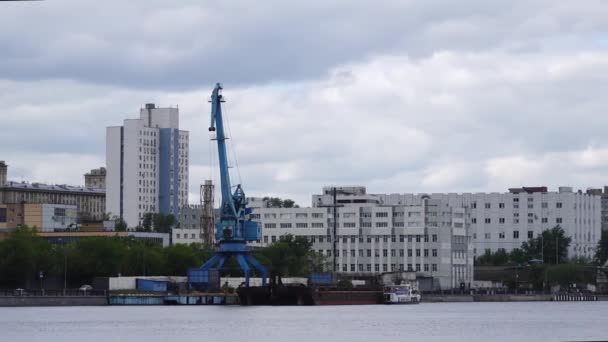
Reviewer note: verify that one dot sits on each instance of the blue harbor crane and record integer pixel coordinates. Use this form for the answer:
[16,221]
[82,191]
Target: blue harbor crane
[234,228]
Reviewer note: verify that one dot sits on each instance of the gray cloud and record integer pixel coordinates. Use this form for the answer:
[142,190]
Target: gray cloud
[400,96]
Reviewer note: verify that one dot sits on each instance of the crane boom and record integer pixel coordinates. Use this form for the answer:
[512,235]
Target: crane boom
[234,228]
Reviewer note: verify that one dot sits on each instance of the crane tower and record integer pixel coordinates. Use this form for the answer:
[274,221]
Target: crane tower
[234,228]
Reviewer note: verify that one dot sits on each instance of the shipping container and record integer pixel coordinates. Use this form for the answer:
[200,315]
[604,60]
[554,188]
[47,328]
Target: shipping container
[151,285]
[204,280]
[321,279]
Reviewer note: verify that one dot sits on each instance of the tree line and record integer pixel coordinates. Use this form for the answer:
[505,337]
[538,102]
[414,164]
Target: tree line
[24,256]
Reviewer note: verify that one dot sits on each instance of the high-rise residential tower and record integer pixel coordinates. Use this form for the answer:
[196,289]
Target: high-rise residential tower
[147,165]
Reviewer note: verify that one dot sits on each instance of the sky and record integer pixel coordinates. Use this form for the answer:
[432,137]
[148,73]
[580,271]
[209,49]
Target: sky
[398,96]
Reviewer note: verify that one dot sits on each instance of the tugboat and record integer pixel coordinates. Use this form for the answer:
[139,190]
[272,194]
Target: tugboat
[400,294]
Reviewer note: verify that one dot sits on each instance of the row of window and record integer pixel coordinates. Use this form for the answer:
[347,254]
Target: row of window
[501,235]
[501,205]
[393,267]
[370,238]
[393,252]
[531,218]
[286,215]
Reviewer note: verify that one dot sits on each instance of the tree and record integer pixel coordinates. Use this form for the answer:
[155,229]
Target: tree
[275,202]
[147,222]
[163,223]
[551,243]
[119,224]
[288,203]
[291,256]
[601,251]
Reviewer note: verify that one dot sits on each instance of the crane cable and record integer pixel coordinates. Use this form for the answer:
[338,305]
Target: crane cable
[232,144]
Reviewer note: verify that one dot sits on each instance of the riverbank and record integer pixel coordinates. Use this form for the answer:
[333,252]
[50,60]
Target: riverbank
[12,301]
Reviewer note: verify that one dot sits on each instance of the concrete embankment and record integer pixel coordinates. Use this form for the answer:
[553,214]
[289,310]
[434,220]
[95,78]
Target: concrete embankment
[485,298]
[53,301]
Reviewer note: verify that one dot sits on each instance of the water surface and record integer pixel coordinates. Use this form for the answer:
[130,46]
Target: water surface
[544,322]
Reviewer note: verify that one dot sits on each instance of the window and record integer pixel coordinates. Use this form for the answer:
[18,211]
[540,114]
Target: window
[321,239]
[393,253]
[392,267]
[558,220]
[516,234]
[417,238]
[267,216]
[530,234]
[301,225]
[377,267]
[317,225]
[177,236]
[434,252]
[385,238]
[501,205]
[488,220]
[252,216]
[426,238]
[409,267]
[301,215]
[349,225]
[515,221]
[488,206]
[401,238]
[328,252]
[352,239]
[426,267]
[381,224]
[474,205]
[501,220]
[285,225]
[515,199]
[530,220]
[382,214]
[417,267]
[544,205]
[274,239]
[377,253]
[3,215]
[360,267]
[369,252]
[558,205]
[434,237]
[401,252]
[434,267]
[417,252]
[384,268]
[265,239]
[285,216]
[488,236]
[393,238]
[544,220]
[369,267]
[473,220]
[426,252]
[366,224]
[409,252]
[530,206]
[352,253]
[317,215]
[501,235]
[385,252]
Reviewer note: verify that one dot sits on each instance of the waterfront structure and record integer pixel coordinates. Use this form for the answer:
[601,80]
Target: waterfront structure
[189,228]
[96,178]
[147,165]
[89,202]
[421,234]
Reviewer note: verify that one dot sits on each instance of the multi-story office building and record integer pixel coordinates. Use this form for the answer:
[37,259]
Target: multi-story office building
[96,178]
[423,235]
[189,227]
[147,165]
[506,220]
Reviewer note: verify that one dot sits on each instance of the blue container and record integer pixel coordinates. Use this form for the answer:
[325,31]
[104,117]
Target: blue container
[151,285]
[321,278]
[203,280]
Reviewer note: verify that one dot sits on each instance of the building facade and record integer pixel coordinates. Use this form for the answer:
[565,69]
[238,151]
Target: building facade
[424,235]
[96,178]
[90,203]
[506,220]
[147,165]
[189,229]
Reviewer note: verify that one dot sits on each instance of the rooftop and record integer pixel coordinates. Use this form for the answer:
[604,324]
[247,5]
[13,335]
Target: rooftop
[55,187]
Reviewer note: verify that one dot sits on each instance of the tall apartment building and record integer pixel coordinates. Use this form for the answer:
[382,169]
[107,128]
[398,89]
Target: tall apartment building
[147,165]
[96,178]
[423,235]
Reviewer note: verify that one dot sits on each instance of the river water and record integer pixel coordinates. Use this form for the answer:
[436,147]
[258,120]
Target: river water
[546,321]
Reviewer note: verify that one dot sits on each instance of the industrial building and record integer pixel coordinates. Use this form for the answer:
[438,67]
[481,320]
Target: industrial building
[96,178]
[89,202]
[147,165]
[424,235]
[189,227]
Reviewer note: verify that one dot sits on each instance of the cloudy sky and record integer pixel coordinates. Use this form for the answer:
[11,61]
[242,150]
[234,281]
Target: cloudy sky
[399,96]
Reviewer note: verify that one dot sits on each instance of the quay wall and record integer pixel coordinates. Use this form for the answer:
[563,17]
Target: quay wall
[53,301]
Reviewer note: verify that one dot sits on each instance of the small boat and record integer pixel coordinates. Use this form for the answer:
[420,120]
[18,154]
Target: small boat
[400,294]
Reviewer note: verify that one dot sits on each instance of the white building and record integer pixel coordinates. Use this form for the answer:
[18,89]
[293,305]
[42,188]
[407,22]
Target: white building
[147,165]
[423,235]
[189,228]
[506,220]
